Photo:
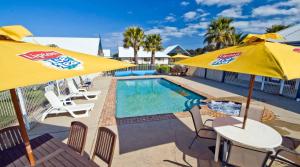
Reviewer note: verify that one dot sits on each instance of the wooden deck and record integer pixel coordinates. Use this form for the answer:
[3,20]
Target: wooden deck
[48,151]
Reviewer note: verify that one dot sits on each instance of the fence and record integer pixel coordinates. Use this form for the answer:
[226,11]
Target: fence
[32,100]
[265,84]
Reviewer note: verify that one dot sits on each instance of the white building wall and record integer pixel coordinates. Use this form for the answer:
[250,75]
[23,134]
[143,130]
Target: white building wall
[82,45]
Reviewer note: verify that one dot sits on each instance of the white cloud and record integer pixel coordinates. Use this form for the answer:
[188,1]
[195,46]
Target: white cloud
[168,32]
[170,18]
[184,3]
[291,7]
[188,16]
[234,12]
[223,2]
[193,15]
[259,26]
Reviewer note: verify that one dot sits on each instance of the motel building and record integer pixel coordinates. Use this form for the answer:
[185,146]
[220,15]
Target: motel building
[90,46]
[144,57]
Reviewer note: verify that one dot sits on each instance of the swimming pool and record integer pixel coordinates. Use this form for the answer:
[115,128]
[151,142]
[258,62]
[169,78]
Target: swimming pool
[141,97]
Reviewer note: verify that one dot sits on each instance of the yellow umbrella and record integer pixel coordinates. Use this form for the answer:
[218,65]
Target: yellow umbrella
[15,32]
[256,57]
[23,64]
[180,56]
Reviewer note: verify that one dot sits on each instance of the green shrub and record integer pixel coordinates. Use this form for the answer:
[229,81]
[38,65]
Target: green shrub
[163,69]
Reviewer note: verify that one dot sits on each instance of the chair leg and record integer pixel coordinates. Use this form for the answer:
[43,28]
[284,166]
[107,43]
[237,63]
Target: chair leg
[193,142]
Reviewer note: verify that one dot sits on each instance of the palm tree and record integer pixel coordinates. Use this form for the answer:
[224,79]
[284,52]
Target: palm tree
[276,27]
[220,33]
[238,38]
[134,37]
[152,44]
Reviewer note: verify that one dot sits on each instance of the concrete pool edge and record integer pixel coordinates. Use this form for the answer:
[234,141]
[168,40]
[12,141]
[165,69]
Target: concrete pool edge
[108,115]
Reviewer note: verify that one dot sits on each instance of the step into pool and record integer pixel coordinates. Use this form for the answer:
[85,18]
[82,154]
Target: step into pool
[141,97]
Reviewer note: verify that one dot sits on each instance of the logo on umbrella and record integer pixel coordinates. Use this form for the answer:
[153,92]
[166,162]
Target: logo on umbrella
[54,59]
[296,50]
[225,58]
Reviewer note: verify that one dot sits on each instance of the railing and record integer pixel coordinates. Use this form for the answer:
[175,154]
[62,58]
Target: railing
[32,100]
[7,114]
[265,84]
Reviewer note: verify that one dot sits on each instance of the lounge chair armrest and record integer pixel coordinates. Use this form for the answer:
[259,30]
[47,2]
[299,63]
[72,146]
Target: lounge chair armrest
[68,102]
[210,120]
[82,90]
[205,129]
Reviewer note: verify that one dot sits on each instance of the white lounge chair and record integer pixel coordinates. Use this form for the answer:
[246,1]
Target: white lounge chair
[79,83]
[58,107]
[77,92]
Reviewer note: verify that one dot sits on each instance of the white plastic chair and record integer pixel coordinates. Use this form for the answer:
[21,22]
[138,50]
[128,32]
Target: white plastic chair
[58,107]
[76,92]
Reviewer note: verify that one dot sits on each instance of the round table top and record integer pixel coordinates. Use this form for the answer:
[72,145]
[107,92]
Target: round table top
[255,134]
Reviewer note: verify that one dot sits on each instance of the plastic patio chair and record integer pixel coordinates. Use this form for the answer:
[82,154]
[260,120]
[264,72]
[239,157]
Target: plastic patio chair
[77,92]
[105,145]
[10,137]
[287,152]
[246,157]
[57,107]
[77,136]
[201,130]
[255,112]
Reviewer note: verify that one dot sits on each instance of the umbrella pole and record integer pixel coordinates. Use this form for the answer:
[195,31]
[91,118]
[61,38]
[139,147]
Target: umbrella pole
[251,86]
[24,134]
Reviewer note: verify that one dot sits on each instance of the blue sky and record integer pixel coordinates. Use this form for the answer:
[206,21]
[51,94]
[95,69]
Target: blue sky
[178,21]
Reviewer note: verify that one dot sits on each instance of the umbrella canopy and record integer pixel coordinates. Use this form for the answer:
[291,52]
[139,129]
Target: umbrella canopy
[256,56]
[16,32]
[24,64]
[180,56]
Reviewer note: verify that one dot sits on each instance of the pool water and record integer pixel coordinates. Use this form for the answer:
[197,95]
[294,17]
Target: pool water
[140,97]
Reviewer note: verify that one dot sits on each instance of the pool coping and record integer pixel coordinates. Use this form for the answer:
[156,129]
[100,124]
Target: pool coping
[108,117]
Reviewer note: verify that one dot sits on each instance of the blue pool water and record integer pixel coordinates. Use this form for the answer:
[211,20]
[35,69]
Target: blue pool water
[140,97]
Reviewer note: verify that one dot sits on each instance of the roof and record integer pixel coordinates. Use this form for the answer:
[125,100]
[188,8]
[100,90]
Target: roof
[169,49]
[82,45]
[291,35]
[128,52]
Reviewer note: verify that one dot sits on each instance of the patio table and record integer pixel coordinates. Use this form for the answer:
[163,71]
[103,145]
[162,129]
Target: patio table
[255,134]
[48,151]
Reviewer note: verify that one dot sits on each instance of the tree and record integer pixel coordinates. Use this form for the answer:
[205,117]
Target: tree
[239,38]
[195,52]
[134,37]
[220,33]
[153,43]
[276,27]
[53,45]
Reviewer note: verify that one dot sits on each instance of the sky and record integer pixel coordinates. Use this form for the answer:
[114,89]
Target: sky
[181,22]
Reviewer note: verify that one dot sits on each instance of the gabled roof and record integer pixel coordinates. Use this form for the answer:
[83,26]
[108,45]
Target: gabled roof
[171,48]
[291,35]
[128,52]
[82,45]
